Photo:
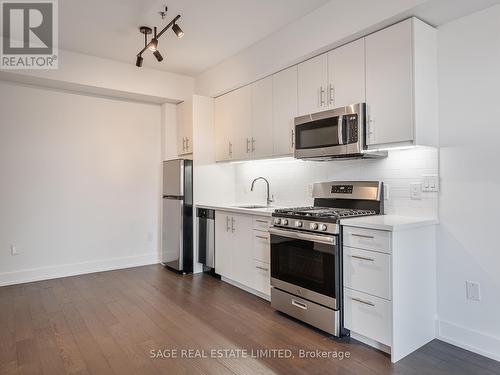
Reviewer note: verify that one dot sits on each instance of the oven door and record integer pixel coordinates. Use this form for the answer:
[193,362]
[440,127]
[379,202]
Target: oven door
[320,135]
[306,265]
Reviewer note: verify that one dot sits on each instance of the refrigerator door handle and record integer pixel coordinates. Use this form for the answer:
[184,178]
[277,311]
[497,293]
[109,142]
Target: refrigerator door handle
[173,197]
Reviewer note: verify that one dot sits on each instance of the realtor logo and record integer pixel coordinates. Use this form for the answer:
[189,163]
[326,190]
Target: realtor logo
[29,34]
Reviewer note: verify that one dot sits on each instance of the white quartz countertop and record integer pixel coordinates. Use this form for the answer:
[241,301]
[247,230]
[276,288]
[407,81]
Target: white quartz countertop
[388,222]
[236,207]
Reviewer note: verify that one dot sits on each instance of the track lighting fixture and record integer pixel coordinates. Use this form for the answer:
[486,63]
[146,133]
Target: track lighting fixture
[177,30]
[158,55]
[152,45]
[139,60]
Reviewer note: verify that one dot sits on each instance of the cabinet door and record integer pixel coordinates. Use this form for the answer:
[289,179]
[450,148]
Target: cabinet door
[312,84]
[389,85]
[223,129]
[242,248]
[262,118]
[241,122]
[185,127]
[284,110]
[346,75]
[223,244]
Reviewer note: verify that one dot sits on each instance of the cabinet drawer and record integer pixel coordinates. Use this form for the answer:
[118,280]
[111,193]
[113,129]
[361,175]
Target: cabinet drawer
[261,246]
[261,223]
[316,315]
[369,239]
[368,316]
[261,277]
[368,272]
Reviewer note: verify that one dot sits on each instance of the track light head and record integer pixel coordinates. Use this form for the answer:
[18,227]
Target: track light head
[153,45]
[158,55]
[139,60]
[177,30]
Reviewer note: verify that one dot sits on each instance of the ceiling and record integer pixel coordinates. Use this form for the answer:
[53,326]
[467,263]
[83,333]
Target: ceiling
[214,29]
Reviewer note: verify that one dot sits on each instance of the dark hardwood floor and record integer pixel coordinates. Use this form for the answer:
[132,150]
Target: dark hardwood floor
[109,322]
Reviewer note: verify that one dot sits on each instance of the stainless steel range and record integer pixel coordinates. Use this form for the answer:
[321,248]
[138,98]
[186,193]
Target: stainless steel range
[306,252]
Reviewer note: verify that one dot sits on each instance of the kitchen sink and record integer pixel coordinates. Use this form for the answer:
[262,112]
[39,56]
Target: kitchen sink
[252,206]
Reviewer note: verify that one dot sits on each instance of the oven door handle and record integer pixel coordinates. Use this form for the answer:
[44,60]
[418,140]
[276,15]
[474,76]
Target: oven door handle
[329,240]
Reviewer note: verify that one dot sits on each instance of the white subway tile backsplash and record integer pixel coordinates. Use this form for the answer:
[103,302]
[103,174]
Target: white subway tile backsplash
[289,179]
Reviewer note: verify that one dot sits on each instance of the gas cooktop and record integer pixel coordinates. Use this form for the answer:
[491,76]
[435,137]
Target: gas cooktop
[321,212]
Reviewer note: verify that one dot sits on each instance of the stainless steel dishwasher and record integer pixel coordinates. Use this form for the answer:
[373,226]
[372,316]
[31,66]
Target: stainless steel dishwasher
[206,236]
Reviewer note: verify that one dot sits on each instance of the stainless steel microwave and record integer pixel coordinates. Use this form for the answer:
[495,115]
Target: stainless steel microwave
[336,133]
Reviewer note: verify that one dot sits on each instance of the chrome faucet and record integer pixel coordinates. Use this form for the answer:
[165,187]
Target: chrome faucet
[269,199]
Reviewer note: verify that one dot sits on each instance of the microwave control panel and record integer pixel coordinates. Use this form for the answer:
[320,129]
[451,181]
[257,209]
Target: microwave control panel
[352,128]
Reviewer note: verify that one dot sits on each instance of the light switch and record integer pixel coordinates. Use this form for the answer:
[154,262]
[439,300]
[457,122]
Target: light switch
[430,183]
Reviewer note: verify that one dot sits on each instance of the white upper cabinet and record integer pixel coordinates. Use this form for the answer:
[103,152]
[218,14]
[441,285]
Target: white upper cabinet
[223,128]
[284,110]
[312,85]
[185,127]
[401,85]
[346,75]
[262,118]
[394,71]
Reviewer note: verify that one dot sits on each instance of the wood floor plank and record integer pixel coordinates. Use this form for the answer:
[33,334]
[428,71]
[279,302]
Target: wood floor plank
[109,322]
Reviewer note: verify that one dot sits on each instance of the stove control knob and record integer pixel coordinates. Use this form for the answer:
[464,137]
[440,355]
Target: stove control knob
[322,227]
[284,222]
[298,224]
[277,221]
[314,226]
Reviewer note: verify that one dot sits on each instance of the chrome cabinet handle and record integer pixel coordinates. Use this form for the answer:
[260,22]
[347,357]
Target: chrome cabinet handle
[362,236]
[262,268]
[262,237]
[227,224]
[331,91]
[253,144]
[187,144]
[298,304]
[232,224]
[362,258]
[340,130]
[261,221]
[248,145]
[183,144]
[293,138]
[363,302]
[230,149]
[321,96]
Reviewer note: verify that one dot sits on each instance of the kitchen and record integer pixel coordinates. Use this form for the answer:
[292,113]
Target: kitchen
[320,206]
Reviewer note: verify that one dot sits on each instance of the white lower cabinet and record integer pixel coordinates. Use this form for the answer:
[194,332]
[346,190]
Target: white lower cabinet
[390,287]
[368,271]
[242,250]
[368,314]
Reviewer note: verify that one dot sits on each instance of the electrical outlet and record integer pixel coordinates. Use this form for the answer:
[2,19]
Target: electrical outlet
[430,183]
[473,291]
[13,250]
[386,192]
[416,190]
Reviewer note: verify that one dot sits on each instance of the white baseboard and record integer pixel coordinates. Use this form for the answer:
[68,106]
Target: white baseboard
[371,342]
[246,288]
[469,339]
[64,270]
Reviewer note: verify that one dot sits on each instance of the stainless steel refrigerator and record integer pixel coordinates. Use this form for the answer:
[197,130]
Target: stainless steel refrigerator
[177,232]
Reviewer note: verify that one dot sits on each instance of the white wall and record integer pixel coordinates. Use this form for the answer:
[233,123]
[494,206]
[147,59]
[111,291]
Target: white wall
[84,73]
[331,25]
[80,183]
[289,179]
[468,242]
